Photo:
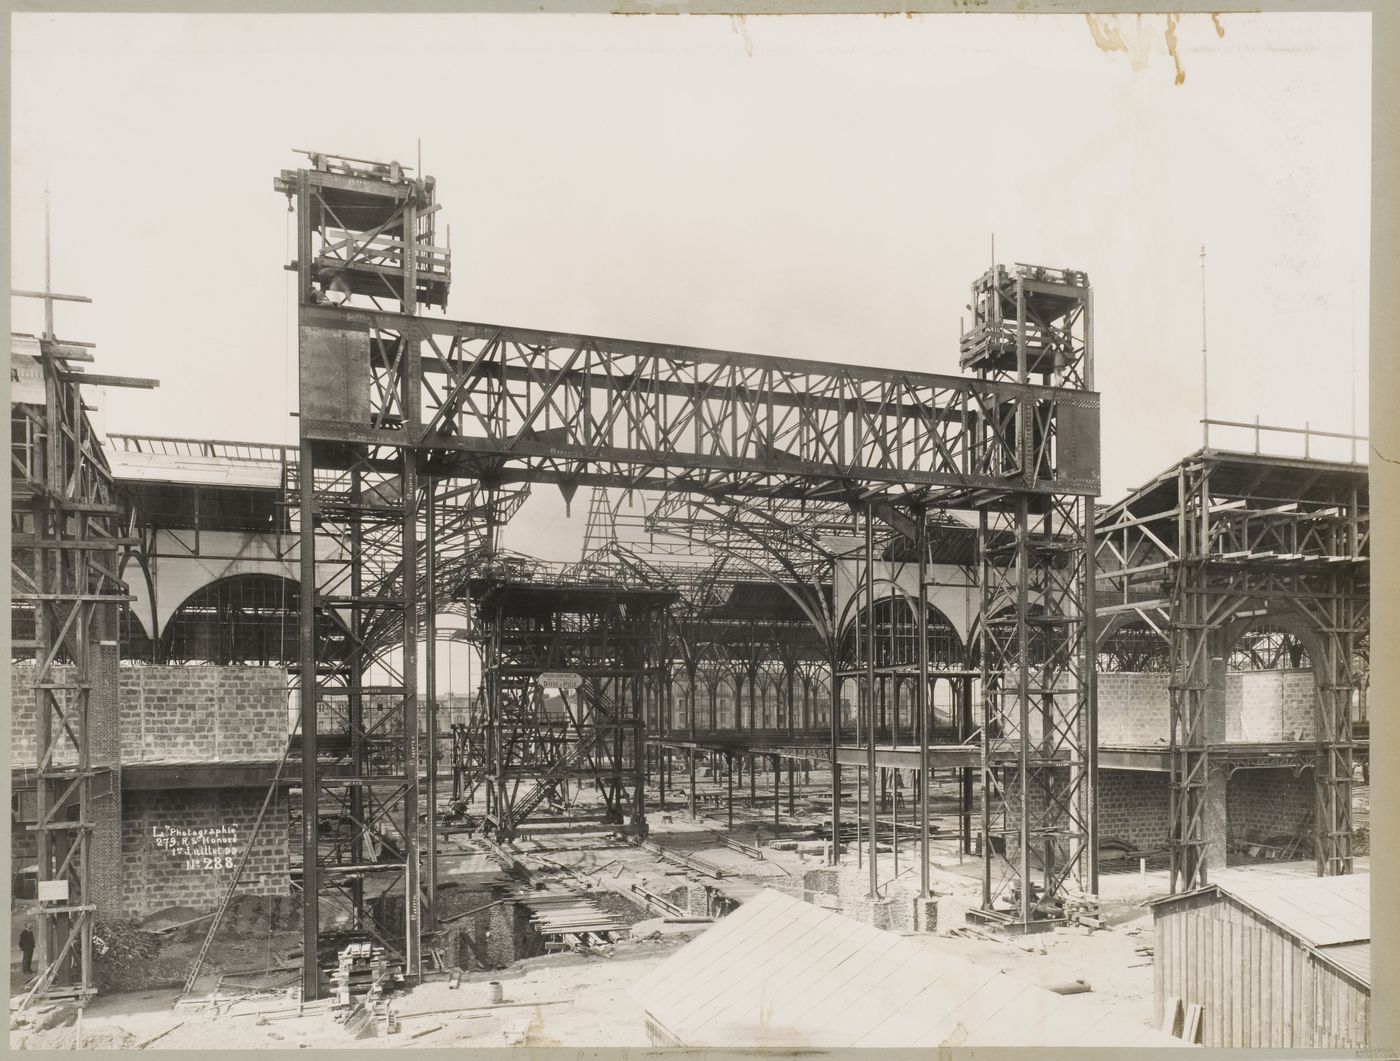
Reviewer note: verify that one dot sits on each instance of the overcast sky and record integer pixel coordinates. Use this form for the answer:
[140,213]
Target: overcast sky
[812,187]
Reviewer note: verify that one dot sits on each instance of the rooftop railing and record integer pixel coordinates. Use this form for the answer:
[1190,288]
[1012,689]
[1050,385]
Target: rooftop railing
[1265,440]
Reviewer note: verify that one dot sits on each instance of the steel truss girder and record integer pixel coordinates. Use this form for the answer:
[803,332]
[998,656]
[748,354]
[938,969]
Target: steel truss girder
[523,405]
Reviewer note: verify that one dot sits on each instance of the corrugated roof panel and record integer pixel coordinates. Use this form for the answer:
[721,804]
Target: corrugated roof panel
[807,1012]
[1355,958]
[703,993]
[741,999]
[667,974]
[1321,910]
[850,1006]
[191,470]
[908,1018]
[782,973]
[837,943]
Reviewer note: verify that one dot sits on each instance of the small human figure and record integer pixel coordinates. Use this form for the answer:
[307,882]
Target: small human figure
[26,949]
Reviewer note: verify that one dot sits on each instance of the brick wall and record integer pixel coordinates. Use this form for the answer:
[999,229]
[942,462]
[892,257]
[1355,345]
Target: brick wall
[1270,802]
[1134,807]
[203,713]
[1299,705]
[1272,705]
[1134,707]
[173,713]
[156,875]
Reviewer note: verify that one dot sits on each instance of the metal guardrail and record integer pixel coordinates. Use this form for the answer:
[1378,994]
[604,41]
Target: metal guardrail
[1307,431]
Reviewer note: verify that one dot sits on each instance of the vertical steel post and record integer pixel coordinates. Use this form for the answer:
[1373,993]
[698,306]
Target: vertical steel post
[870,682]
[1088,663]
[430,694]
[410,751]
[729,762]
[355,663]
[990,711]
[1023,694]
[777,795]
[921,705]
[835,858]
[310,783]
[411,403]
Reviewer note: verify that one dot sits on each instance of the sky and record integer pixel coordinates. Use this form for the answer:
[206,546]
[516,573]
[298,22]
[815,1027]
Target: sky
[822,187]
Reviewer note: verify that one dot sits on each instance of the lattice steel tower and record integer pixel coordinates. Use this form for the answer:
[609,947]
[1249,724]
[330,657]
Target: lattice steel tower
[365,237]
[1034,325]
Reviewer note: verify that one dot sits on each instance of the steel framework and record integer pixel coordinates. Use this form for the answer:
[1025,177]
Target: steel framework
[1039,748]
[1230,549]
[612,642]
[399,410]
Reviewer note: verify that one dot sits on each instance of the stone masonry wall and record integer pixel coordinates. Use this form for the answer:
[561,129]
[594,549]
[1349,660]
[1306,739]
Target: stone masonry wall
[1260,706]
[1270,802]
[103,749]
[166,866]
[1134,807]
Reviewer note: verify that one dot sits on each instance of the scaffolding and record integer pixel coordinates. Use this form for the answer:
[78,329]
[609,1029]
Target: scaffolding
[68,532]
[1247,556]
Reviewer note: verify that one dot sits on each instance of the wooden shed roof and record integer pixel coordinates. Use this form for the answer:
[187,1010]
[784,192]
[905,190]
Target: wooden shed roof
[779,972]
[1322,911]
[1331,915]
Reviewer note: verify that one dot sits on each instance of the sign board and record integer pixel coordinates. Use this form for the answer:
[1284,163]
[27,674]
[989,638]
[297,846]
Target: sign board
[53,891]
[209,847]
[560,680]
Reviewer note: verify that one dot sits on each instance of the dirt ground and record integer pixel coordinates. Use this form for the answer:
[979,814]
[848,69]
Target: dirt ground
[581,1000]
[563,999]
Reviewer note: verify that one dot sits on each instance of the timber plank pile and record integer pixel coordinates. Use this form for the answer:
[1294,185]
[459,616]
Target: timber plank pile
[567,913]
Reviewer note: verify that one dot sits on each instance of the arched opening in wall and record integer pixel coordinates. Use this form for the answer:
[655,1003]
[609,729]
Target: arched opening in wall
[1268,646]
[248,619]
[894,625]
[1136,647]
[896,631]
[1001,628]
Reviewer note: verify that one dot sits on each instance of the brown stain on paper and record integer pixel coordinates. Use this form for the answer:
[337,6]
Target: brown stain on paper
[1172,19]
[534,1032]
[1107,33]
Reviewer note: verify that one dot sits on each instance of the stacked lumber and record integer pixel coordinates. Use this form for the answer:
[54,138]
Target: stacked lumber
[560,913]
[363,975]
